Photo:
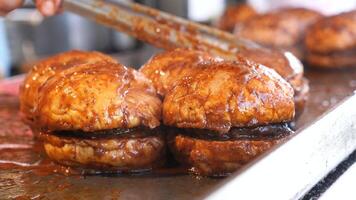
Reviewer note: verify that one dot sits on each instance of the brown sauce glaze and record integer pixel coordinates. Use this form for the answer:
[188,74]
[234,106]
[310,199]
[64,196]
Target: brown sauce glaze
[45,70]
[229,94]
[97,96]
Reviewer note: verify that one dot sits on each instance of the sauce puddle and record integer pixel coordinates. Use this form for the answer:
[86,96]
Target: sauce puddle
[20,151]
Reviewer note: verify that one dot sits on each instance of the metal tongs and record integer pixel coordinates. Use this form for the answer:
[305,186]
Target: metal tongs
[158,28]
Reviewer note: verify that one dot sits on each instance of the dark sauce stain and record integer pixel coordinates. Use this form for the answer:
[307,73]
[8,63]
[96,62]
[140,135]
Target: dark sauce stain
[269,132]
[137,132]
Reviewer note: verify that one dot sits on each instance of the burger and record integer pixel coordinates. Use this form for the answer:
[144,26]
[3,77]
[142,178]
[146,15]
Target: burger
[99,115]
[331,42]
[220,114]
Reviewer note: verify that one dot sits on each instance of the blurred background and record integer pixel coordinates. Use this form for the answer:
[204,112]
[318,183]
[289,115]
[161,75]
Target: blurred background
[26,36]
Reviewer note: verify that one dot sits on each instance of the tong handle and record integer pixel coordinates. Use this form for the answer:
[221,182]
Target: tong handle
[158,28]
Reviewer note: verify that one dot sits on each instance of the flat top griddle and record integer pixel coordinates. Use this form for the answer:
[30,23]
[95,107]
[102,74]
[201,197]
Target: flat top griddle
[324,138]
[26,173]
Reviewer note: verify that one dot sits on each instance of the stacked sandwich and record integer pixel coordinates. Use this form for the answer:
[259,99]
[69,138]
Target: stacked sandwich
[331,42]
[93,112]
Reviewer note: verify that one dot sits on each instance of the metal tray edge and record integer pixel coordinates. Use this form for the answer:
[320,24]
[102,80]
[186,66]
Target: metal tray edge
[291,169]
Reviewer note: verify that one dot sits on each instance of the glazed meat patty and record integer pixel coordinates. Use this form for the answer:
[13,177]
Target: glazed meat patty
[331,42]
[283,29]
[166,68]
[229,94]
[98,96]
[45,69]
[235,15]
[209,155]
[134,150]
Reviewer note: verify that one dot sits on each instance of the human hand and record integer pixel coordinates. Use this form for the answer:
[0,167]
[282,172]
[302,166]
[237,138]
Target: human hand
[7,6]
[46,7]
